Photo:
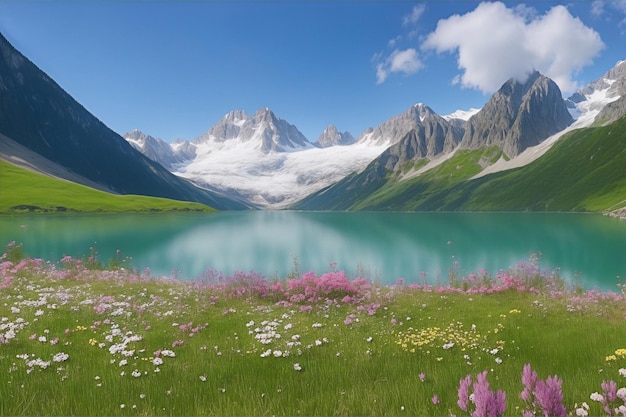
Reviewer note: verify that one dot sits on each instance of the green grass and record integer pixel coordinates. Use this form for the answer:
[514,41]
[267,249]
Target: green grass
[220,369]
[25,191]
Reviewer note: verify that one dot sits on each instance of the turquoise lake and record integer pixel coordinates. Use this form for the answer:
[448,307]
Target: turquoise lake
[589,249]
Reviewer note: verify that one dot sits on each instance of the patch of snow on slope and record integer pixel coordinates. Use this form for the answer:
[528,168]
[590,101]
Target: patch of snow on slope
[277,179]
[462,114]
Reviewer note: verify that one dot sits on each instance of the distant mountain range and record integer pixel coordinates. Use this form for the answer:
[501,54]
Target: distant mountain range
[417,160]
[267,162]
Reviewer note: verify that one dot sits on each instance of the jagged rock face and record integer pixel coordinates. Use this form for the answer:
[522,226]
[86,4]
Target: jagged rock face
[518,116]
[615,78]
[397,127]
[332,137]
[229,127]
[160,151]
[272,133]
[432,137]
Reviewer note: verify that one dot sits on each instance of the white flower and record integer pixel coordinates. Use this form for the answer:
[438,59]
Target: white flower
[136,373]
[448,345]
[60,357]
[278,353]
[596,397]
[498,361]
[157,361]
[621,393]
[202,378]
[369,339]
[39,313]
[42,339]
[318,342]
[297,367]
[123,362]
[169,353]
[581,412]
[317,325]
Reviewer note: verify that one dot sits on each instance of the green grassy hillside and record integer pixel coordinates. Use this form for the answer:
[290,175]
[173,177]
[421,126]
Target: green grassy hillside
[22,190]
[435,188]
[584,171]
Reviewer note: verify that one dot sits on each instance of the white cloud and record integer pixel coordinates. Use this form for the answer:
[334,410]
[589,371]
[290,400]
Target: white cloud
[405,62]
[400,61]
[495,43]
[413,17]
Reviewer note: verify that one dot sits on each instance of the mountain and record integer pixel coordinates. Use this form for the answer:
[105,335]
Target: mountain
[264,131]
[518,115]
[332,137]
[261,159]
[432,136]
[605,97]
[161,151]
[396,127]
[39,115]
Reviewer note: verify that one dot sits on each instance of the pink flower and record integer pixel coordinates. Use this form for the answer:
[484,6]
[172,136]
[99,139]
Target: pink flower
[435,399]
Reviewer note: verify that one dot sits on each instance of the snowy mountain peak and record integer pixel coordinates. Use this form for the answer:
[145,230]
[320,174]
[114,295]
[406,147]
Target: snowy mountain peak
[263,131]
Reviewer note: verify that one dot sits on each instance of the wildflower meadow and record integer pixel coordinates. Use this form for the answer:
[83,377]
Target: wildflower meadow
[87,337]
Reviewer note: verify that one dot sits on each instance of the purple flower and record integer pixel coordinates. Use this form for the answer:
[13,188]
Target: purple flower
[549,396]
[464,385]
[486,402]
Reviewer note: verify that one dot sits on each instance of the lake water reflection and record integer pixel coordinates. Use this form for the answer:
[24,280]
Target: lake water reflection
[383,246]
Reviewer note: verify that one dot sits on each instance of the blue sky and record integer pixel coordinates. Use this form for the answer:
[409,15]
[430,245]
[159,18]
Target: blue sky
[173,69]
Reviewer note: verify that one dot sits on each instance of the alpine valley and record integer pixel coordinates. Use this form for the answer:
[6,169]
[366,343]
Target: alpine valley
[527,148]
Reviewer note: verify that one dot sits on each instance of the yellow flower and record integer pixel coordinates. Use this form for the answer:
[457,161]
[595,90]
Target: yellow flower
[620,352]
[93,342]
[514,311]
[610,358]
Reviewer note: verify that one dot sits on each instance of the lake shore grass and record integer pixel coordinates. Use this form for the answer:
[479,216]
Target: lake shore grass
[86,337]
[25,191]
